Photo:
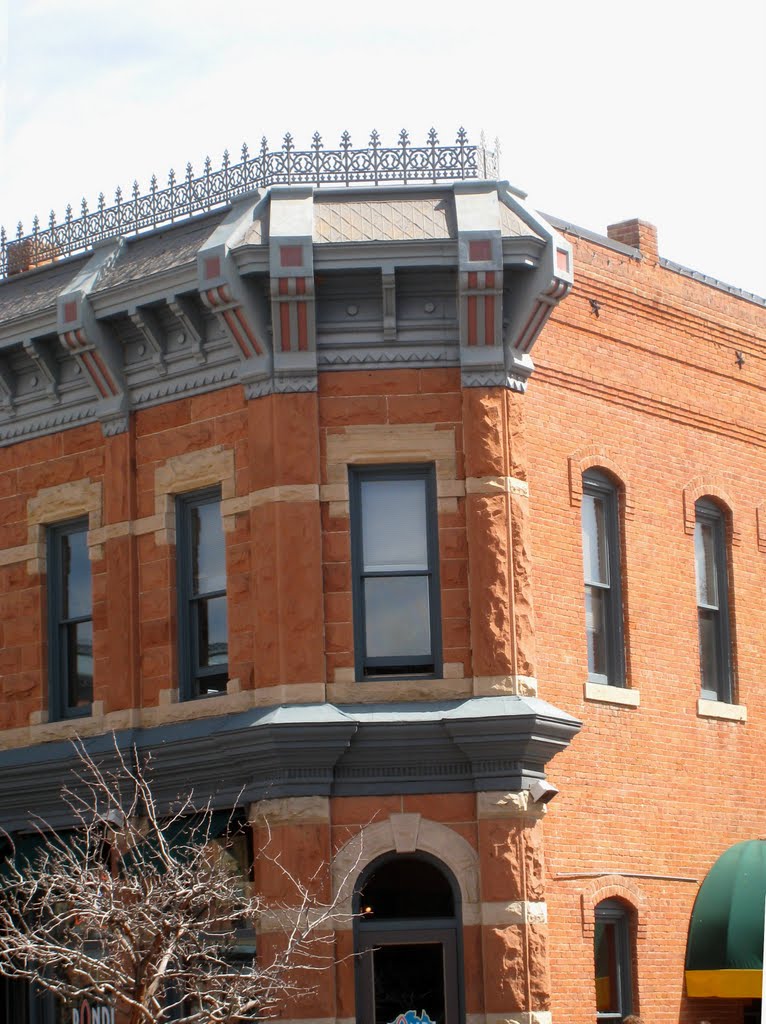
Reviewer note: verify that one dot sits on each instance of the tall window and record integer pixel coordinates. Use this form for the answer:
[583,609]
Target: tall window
[601,569]
[70,620]
[203,651]
[395,556]
[612,960]
[712,602]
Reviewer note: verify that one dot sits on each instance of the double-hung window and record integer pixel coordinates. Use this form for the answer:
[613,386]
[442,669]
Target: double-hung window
[612,961]
[70,620]
[203,651]
[712,602]
[395,556]
[603,590]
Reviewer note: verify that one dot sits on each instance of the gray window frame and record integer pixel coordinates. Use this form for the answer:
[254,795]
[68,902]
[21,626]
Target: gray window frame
[612,911]
[597,484]
[190,673]
[58,654]
[709,513]
[429,667]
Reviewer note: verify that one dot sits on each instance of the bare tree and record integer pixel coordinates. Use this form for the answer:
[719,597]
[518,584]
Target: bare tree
[143,910]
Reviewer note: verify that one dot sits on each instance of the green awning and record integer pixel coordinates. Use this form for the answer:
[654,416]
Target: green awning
[724,951]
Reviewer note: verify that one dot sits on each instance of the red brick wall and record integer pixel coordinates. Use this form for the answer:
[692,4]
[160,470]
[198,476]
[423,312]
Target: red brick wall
[653,382]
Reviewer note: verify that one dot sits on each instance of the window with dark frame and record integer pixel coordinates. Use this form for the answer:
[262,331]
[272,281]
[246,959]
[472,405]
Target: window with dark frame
[602,578]
[70,620]
[203,652]
[612,955]
[395,558]
[712,602]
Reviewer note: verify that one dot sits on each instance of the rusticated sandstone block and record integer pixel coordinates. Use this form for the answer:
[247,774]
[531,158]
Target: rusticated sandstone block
[523,601]
[491,613]
[504,969]
[485,439]
[538,966]
[512,860]
[514,405]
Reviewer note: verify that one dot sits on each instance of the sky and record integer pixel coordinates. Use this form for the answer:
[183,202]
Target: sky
[604,111]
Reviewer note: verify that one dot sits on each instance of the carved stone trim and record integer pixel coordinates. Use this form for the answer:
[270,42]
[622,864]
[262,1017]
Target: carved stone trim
[518,686]
[291,810]
[509,805]
[439,840]
[56,505]
[496,485]
[372,444]
[190,472]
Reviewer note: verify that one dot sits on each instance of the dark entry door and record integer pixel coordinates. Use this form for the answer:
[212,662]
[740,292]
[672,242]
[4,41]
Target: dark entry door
[407,975]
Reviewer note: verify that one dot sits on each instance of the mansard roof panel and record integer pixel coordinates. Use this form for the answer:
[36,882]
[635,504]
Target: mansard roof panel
[161,250]
[512,225]
[383,220]
[33,292]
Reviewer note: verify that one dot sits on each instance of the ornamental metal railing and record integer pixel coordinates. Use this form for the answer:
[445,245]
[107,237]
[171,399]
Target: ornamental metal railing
[188,195]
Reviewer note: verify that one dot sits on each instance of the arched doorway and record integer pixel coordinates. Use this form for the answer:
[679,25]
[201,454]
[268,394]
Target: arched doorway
[408,937]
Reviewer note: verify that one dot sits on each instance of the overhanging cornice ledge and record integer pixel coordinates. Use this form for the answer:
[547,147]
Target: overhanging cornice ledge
[483,743]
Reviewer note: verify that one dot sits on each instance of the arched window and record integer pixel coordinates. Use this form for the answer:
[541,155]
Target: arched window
[602,578]
[408,939]
[613,955]
[710,563]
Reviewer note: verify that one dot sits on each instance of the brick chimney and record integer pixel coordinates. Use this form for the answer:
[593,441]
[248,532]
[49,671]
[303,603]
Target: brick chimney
[638,233]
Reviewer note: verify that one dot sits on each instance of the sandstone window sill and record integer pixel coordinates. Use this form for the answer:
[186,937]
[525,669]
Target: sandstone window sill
[618,695]
[719,709]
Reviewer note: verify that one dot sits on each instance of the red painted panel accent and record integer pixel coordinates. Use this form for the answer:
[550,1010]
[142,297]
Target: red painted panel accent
[70,312]
[303,329]
[301,285]
[479,249]
[231,323]
[291,255]
[489,279]
[94,376]
[212,267]
[239,313]
[473,279]
[284,285]
[284,319]
[489,319]
[109,380]
[562,259]
[471,319]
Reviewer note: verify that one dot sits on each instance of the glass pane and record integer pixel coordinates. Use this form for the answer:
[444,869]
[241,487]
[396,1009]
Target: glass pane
[396,617]
[409,983]
[208,549]
[76,570]
[704,562]
[79,647]
[212,636]
[710,660]
[607,982]
[595,629]
[594,552]
[394,535]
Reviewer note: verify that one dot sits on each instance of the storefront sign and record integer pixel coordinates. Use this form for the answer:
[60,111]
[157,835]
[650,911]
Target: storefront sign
[93,1013]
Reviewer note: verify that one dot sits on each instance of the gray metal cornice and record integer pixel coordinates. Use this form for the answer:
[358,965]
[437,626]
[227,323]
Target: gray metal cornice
[483,743]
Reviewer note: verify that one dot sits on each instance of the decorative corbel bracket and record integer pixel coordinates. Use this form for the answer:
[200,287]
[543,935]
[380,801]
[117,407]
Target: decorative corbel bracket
[150,329]
[183,309]
[46,367]
[7,387]
[534,294]
[232,299]
[480,285]
[291,268]
[388,274]
[91,343]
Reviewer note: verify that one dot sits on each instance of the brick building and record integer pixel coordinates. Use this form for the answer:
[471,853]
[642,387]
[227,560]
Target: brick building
[285,500]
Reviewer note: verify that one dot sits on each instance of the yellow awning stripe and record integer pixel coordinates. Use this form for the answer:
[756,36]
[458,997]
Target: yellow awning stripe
[724,984]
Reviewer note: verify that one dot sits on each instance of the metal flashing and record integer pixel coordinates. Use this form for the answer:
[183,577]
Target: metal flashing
[485,743]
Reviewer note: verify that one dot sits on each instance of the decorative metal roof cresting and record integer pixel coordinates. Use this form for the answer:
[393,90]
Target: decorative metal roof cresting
[188,195]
